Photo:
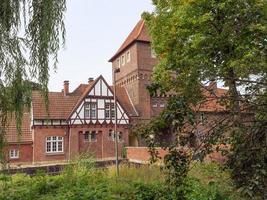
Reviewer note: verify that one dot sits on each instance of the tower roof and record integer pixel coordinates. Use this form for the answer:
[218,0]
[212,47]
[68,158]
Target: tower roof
[139,33]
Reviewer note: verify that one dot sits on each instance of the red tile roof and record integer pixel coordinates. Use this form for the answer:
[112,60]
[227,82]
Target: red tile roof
[12,135]
[123,98]
[59,105]
[139,33]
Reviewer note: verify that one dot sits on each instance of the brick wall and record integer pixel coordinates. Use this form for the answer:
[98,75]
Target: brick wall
[39,144]
[141,154]
[103,147]
[25,153]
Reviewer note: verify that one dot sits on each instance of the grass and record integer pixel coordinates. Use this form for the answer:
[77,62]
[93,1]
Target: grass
[82,181]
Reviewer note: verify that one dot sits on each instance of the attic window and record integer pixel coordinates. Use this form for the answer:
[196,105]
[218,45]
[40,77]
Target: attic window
[128,56]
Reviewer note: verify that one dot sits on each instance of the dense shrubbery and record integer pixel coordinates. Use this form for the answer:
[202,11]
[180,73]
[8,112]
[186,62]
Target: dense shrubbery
[83,181]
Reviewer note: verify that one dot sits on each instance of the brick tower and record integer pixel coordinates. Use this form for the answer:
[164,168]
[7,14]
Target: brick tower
[136,60]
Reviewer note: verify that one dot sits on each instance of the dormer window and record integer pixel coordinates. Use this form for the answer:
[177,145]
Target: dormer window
[128,56]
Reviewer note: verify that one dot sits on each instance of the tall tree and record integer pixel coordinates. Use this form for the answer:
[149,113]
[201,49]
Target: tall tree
[31,34]
[224,41]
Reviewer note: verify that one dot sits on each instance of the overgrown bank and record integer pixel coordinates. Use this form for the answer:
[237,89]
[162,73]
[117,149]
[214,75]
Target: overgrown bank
[83,181]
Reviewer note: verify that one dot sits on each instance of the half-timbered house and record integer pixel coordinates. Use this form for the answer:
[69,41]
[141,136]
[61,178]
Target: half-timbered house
[76,122]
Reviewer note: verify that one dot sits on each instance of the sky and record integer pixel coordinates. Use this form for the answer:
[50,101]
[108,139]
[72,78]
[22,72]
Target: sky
[95,31]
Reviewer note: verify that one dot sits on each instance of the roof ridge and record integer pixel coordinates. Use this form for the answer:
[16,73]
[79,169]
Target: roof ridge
[136,34]
[86,91]
[141,28]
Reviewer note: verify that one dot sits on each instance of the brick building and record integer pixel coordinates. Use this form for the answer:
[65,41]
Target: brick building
[82,121]
[136,60]
[77,122]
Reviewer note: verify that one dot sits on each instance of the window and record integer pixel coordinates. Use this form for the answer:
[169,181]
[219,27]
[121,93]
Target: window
[202,118]
[109,110]
[128,56]
[90,136]
[118,63]
[86,136]
[14,153]
[54,144]
[123,60]
[93,110]
[86,110]
[112,136]
[162,105]
[154,105]
[153,53]
[90,110]
[120,136]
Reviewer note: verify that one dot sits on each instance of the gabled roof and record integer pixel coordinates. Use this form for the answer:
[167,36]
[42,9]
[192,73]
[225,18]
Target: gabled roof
[12,133]
[62,107]
[83,93]
[139,33]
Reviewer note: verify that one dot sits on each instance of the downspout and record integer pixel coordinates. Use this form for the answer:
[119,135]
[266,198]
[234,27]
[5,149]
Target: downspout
[69,133]
[102,145]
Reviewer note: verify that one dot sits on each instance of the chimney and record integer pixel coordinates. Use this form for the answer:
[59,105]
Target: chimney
[90,80]
[66,88]
[213,85]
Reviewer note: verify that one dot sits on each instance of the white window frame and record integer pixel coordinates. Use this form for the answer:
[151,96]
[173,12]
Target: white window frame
[89,110]
[123,60]
[118,63]
[54,141]
[162,105]
[153,53]
[14,154]
[93,109]
[155,105]
[128,56]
